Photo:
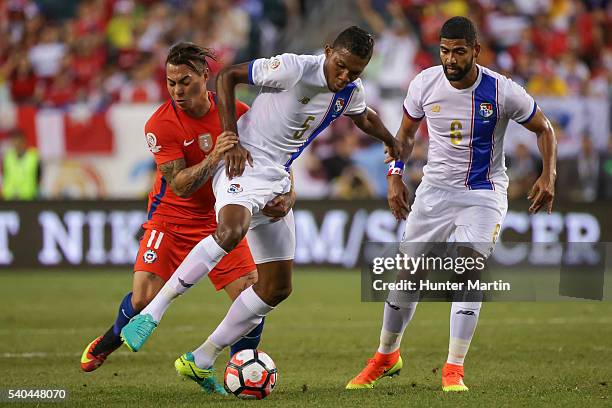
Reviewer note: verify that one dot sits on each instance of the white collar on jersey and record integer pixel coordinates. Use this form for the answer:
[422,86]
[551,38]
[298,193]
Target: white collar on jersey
[471,88]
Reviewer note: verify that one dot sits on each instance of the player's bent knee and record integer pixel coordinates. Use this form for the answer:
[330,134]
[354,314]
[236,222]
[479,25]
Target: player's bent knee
[236,287]
[140,300]
[284,293]
[274,281]
[276,295]
[234,221]
[229,236]
[146,286]
[251,277]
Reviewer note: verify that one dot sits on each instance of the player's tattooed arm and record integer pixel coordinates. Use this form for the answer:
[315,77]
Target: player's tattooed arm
[184,180]
[542,193]
[183,184]
[371,124]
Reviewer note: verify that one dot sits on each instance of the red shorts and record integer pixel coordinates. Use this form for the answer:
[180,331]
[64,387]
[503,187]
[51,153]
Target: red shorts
[164,246]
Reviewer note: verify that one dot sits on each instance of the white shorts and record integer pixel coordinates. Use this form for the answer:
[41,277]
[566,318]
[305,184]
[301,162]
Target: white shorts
[253,190]
[439,216]
[275,241]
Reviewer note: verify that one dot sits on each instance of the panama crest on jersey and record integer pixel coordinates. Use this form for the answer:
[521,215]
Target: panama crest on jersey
[234,188]
[339,105]
[486,109]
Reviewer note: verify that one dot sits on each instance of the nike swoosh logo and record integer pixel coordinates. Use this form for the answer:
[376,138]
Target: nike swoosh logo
[196,375]
[394,307]
[84,358]
[125,314]
[185,284]
[466,312]
[186,143]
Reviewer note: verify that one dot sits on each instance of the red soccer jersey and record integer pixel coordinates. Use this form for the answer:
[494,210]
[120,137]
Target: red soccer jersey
[172,134]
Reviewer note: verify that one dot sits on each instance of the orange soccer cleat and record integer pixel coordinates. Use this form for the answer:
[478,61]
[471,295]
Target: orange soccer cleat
[452,378]
[382,365]
[98,350]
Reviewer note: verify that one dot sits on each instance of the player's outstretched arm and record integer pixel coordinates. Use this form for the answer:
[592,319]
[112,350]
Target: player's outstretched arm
[237,157]
[397,194]
[542,193]
[371,124]
[183,180]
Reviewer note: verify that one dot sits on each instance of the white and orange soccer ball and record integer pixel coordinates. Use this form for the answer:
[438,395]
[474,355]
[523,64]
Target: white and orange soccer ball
[250,374]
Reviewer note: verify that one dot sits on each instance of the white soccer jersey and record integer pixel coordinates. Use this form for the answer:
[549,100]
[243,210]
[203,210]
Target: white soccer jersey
[467,126]
[293,107]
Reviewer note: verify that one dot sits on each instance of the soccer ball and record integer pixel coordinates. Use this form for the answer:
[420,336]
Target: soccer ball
[250,374]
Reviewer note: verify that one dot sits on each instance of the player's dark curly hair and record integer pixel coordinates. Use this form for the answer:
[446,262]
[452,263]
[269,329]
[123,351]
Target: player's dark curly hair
[459,28]
[190,54]
[356,40]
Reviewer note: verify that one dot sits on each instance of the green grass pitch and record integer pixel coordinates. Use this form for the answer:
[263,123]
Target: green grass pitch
[523,354]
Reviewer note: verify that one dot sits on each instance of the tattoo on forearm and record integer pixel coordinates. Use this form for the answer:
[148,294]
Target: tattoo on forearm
[196,176]
[186,180]
[170,169]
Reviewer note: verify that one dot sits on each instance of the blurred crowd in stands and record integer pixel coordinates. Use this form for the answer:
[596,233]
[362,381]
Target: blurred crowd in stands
[55,53]
[98,52]
[559,50]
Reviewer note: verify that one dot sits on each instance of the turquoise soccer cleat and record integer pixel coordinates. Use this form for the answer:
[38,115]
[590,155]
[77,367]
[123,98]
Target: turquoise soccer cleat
[137,331]
[205,378]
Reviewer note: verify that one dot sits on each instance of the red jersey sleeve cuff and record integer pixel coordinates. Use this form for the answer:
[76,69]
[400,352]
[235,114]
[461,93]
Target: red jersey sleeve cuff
[162,160]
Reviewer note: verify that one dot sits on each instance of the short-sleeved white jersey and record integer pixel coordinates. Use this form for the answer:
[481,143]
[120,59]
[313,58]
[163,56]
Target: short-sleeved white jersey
[466,126]
[293,107]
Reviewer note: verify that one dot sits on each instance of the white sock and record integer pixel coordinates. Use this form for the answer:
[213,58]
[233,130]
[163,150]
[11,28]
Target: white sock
[205,355]
[196,265]
[243,316]
[463,319]
[389,341]
[396,317]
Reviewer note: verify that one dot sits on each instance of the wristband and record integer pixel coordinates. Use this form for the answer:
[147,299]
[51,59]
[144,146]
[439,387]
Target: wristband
[396,168]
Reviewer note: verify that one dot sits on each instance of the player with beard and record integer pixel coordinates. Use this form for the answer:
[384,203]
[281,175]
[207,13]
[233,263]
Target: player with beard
[462,197]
